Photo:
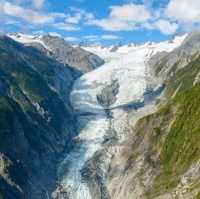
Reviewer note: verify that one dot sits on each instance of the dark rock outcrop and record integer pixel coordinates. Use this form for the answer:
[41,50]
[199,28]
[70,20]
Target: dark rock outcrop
[73,56]
[36,119]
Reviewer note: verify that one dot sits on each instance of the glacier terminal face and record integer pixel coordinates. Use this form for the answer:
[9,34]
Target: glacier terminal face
[126,65]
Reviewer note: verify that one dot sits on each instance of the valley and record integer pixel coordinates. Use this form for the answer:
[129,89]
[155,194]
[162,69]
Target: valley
[115,122]
[104,125]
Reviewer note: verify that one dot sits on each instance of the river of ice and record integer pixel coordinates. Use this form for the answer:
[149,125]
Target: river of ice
[128,66]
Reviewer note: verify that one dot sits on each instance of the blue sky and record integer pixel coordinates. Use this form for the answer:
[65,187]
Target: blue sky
[101,21]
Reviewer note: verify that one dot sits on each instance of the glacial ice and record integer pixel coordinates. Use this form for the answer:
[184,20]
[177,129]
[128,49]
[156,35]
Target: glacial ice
[127,65]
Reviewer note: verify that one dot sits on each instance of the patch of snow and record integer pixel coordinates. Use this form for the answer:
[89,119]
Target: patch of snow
[27,39]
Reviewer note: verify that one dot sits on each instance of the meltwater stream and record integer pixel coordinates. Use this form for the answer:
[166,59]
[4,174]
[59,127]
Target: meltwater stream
[127,66]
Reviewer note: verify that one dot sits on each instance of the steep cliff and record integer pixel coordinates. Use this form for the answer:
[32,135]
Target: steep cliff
[57,48]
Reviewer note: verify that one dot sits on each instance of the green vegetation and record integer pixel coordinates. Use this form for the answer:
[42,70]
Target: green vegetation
[184,78]
[198,196]
[1,196]
[173,132]
[180,147]
[27,74]
[160,65]
[32,115]
[6,114]
[28,83]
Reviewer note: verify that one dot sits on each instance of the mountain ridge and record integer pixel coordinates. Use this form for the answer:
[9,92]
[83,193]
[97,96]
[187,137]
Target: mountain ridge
[57,48]
[147,151]
[37,121]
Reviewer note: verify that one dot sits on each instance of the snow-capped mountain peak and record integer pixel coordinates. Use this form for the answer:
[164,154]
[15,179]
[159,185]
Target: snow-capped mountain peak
[65,53]
[28,39]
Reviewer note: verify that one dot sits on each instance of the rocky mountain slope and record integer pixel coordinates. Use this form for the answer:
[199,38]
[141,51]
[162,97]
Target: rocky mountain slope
[57,48]
[37,121]
[161,158]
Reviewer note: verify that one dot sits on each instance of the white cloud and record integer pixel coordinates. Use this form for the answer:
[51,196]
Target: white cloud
[26,14]
[38,3]
[78,15]
[97,38]
[89,16]
[75,19]
[92,38]
[10,9]
[185,11]
[66,27]
[37,18]
[54,34]
[12,22]
[58,15]
[130,13]
[39,32]
[123,18]
[71,39]
[174,16]
[165,26]
[112,24]
[130,17]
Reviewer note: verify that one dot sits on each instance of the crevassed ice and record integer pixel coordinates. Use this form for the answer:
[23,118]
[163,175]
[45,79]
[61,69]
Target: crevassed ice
[128,66]
[89,141]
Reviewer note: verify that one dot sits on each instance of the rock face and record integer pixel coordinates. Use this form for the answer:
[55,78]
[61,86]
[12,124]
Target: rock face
[37,122]
[73,56]
[57,48]
[107,97]
[166,64]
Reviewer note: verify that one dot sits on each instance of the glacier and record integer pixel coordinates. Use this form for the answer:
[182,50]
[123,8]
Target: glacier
[127,65]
